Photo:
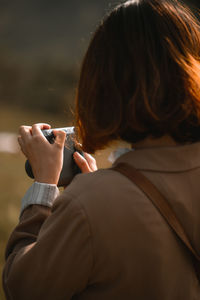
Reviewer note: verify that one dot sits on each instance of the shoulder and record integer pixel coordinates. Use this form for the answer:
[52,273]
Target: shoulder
[102,181]
[84,185]
[100,190]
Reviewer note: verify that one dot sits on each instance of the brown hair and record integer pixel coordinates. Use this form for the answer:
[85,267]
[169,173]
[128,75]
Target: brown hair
[141,76]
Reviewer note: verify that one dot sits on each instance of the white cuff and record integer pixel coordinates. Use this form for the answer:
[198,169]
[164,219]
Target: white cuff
[40,193]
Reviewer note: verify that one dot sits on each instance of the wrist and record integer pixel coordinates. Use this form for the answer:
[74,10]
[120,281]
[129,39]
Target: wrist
[48,175]
[47,178]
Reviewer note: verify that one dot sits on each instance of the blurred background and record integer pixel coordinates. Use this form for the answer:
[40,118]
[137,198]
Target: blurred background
[42,44]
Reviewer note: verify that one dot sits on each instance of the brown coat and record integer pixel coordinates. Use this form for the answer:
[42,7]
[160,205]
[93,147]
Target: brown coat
[105,240]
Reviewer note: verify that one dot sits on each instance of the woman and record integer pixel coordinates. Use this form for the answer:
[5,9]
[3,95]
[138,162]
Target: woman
[102,238]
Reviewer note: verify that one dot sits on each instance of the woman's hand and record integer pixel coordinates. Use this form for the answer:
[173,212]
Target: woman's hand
[87,163]
[46,159]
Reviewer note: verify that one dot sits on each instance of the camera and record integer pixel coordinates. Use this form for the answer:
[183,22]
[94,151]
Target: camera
[69,169]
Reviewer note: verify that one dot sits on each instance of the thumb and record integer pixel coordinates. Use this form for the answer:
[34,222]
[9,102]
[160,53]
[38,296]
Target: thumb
[60,137]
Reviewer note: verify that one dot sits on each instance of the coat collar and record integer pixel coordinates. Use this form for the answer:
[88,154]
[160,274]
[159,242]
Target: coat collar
[163,158]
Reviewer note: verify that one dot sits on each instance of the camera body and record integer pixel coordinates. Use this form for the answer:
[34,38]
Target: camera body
[69,169]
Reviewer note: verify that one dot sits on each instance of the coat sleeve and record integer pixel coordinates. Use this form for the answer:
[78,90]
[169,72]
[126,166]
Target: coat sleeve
[49,254]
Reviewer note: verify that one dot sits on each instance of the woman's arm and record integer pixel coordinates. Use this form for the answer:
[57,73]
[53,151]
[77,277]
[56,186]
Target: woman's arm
[48,255]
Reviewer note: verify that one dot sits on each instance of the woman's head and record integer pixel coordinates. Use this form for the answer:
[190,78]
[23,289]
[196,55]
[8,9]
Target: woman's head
[141,76]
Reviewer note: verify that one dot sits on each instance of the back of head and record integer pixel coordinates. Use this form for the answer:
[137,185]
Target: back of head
[141,76]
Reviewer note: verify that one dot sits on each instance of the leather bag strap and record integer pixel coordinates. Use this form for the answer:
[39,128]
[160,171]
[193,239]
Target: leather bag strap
[159,202]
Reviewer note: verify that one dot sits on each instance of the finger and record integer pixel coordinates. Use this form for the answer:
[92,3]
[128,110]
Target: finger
[81,162]
[25,132]
[60,137]
[21,144]
[36,128]
[91,161]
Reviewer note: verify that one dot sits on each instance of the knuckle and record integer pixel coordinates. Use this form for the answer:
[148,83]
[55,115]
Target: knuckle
[37,125]
[24,129]
[58,145]
[94,165]
[61,134]
[21,128]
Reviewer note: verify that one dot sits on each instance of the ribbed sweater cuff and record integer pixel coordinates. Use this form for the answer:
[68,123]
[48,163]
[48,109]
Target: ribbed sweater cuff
[41,194]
